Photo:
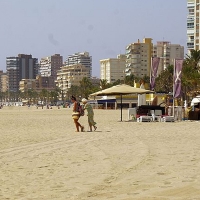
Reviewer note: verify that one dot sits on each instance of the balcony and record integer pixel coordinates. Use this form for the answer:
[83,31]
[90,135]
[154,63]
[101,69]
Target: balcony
[127,70]
[129,46]
[128,51]
[190,46]
[129,64]
[128,56]
[190,41]
[128,74]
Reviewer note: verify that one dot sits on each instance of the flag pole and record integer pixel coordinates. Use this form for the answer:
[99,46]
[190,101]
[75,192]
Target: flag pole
[173,112]
[151,72]
[150,80]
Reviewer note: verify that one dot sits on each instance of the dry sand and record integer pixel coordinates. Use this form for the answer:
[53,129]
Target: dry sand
[41,157]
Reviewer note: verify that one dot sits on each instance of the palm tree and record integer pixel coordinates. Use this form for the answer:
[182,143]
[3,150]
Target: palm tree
[1,96]
[43,94]
[191,73]
[74,90]
[129,80]
[104,84]
[190,79]
[53,95]
[85,87]
[193,59]
[145,79]
[117,82]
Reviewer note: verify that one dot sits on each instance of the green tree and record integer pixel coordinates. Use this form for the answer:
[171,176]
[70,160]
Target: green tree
[2,96]
[193,59]
[117,82]
[190,79]
[53,95]
[164,82]
[104,84]
[85,87]
[129,80]
[43,95]
[145,79]
[75,91]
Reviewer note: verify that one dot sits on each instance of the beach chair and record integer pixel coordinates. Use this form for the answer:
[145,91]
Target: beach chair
[145,119]
[168,119]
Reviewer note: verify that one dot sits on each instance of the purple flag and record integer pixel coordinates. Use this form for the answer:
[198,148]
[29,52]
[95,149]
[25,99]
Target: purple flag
[154,69]
[177,77]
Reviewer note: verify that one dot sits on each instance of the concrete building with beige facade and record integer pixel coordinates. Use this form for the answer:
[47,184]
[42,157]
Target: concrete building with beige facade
[28,84]
[70,75]
[138,58]
[168,53]
[37,84]
[112,69]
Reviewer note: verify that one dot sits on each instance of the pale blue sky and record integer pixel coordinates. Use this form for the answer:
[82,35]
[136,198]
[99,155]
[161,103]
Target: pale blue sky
[102,27]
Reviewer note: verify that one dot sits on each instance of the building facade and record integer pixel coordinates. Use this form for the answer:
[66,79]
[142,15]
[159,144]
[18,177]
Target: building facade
[168,53]
[27,84]
[37,84]
[193,28]
[81,58]
[70,75]
[112,69]
[138,58]
[18,68]
[50,65]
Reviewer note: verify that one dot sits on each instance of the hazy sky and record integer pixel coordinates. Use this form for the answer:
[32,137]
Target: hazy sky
[102,27]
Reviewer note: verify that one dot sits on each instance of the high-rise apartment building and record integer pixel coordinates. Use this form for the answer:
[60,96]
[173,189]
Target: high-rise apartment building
[71,75]
[81,58]
[21,67]
[138,58]
[168,53]
[112,69]
[50,65]
[193,28]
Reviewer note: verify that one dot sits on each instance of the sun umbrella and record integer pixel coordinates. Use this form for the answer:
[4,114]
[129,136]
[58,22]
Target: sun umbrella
[122,89]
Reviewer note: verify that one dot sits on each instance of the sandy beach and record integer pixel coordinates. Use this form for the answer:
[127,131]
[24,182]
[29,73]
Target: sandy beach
[43,158]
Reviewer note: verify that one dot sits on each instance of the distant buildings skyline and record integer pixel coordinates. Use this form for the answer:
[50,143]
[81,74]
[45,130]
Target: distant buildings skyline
[136,61]
[76,58]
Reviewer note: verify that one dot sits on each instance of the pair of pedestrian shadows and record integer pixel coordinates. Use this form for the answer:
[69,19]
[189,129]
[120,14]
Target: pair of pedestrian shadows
[97,131]
[93,131]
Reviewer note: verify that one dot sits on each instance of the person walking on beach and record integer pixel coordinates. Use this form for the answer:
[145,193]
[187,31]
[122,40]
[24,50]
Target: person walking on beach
[90,114]
[76,114]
